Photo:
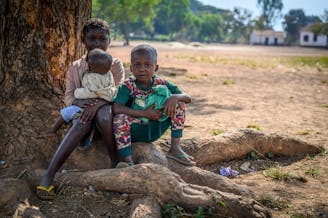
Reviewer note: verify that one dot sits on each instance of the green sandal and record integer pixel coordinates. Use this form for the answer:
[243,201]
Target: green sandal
[46,193]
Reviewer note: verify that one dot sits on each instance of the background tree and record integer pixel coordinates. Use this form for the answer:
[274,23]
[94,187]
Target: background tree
[179,16]
[294,20]
[320,28]
[125,13]
[211,27]
[241,25]
[324,17]
[161,20]
[270,11]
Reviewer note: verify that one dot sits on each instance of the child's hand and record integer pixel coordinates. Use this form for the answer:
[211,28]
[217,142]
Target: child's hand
[88,114]
[170,105]
[152,114]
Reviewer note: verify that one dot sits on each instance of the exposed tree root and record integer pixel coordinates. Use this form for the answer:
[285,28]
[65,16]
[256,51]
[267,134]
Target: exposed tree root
[147,153]
[237,144]
[193,187]
[166,186]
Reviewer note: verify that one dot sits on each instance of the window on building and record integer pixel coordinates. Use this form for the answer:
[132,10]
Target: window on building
[306,38]
[315,38]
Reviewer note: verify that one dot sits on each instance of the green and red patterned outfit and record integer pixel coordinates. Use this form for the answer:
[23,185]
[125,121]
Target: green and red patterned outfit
[128,129]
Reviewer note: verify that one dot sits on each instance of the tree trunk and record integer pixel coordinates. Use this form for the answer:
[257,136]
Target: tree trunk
[125,34]
[38,39]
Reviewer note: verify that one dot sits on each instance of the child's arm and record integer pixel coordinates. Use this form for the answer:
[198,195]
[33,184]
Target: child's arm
[171,102]
[149,112]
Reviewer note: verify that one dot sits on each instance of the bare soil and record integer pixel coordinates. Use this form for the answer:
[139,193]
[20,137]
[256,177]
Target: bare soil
[258,87]
[236,87]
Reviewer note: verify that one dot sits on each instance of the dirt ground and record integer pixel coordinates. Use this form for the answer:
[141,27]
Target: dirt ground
[234,87]
[258,87]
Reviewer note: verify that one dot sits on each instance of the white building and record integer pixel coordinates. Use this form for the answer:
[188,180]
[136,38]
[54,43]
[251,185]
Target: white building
[267,37]
[309,38]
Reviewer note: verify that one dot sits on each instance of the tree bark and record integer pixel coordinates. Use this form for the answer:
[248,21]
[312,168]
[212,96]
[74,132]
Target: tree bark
[38,39]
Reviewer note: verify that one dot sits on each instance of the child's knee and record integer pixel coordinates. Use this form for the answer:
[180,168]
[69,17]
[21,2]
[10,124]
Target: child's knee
[104,115]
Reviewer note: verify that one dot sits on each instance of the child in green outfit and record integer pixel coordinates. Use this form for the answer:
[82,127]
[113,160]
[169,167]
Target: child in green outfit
[136,90]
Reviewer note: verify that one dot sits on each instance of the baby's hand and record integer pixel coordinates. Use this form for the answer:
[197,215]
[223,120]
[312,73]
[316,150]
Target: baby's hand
[152,114]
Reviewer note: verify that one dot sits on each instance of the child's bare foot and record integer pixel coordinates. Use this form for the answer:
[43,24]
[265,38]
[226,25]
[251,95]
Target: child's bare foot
[181,157]
[47,134]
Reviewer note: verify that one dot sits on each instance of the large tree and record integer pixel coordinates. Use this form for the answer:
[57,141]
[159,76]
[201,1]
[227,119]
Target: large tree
[270,11]
[38,39]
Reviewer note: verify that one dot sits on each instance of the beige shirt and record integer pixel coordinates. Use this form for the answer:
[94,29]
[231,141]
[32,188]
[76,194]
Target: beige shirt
[95,85]
[75,72]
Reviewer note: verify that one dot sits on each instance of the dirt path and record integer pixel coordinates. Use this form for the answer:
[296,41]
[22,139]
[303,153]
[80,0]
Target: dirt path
[264,88]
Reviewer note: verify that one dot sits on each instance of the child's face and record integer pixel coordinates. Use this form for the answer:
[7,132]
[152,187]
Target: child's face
[96,38]
[143,67]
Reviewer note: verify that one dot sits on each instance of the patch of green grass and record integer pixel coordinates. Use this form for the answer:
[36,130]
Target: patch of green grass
[305,132]
[312,171]
[219,200]
[302,215]
[217,131]
[254,126]
[277,174]
[192,77]
[228,82]
[324,105]
[272,203]
[252,155]
[242,61]
[318,62]
[172,211]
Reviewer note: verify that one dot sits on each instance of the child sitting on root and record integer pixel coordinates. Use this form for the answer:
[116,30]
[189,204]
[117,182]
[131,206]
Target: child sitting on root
[132,96]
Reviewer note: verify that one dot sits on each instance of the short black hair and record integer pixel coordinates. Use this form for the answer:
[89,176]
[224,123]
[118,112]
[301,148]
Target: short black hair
[98,56]
[95,23]
[145,49]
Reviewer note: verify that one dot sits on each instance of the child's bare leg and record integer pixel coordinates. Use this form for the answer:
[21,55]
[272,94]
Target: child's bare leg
[104,122]
[52,132]
[69,143]
[177,124]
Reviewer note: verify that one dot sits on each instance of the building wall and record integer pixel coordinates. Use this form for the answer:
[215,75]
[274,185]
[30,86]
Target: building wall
[308,39]
[265,39]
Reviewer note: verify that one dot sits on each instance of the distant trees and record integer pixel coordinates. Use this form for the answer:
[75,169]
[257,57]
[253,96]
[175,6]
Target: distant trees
[270,11]
[192,21]
[126,14]
[240,25]
[296,19]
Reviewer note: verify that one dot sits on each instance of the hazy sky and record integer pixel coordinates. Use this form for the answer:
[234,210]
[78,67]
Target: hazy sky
[310,7]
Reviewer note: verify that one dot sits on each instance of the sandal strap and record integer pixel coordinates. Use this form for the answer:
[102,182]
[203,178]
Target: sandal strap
[49,189]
